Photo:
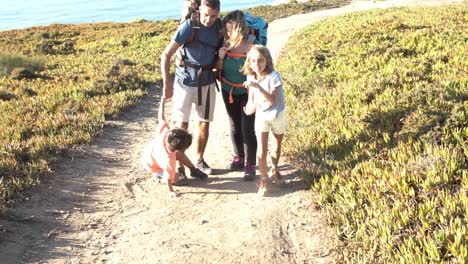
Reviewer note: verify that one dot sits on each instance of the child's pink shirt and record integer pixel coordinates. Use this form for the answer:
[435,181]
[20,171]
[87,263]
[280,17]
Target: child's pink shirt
[157,157]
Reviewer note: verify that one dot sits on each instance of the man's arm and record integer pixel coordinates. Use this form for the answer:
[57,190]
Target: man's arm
[166,56]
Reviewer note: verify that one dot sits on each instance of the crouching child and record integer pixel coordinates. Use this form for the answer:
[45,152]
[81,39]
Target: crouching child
[159,156]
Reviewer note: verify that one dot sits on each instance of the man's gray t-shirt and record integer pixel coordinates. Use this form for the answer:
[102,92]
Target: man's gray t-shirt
[201,51]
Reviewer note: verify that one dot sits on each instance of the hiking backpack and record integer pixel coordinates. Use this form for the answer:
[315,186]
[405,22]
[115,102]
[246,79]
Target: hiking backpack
[258,30]
[258,27]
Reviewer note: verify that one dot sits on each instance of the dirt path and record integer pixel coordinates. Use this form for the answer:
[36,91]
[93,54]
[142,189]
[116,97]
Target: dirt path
[100,207]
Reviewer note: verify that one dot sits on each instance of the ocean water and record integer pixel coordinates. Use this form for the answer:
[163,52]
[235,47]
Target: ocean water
[19,14]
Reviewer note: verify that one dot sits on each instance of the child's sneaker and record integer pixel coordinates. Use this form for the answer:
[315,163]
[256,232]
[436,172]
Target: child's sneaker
[196,173]
[237,164]
[201,165]
[249,174]
[182,178]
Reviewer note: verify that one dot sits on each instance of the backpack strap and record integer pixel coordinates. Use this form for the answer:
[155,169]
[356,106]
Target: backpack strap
[248,46]
[200,69]
[195,22]
[233,85]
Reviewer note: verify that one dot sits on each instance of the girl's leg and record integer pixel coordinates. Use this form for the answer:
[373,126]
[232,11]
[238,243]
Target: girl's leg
[275,156]
[278,129]
[276,150]
[262,150]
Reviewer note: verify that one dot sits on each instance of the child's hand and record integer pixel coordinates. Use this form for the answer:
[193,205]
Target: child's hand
[174,194]
[249,109]
[251,84]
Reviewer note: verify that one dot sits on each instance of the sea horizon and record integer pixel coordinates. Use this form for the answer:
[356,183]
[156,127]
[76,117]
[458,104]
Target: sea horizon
[30,13]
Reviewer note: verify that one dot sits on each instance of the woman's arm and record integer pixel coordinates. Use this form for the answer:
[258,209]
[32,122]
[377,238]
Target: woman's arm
[221,54]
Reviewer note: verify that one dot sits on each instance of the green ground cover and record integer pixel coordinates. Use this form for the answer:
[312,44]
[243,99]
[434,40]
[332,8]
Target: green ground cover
[377,107]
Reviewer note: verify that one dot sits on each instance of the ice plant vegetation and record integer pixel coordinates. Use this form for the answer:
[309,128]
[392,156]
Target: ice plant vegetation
[378,122]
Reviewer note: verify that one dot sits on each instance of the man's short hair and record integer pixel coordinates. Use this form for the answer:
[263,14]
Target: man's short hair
[213,4]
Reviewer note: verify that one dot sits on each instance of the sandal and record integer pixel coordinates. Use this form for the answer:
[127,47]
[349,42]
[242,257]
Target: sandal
[276,176]
[263,186]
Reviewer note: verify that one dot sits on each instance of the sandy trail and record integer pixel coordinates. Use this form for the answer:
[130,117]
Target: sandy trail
[101,207]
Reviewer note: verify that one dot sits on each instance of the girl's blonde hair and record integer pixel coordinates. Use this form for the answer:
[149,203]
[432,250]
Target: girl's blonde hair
[247,69]
[239,28]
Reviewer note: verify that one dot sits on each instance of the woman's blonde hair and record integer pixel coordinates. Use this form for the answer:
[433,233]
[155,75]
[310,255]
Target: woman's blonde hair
[247,68]
[239,28]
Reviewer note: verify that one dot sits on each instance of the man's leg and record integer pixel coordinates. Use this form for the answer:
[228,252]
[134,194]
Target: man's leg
[202,140]
[205,113]
[203,134]
[182,106]
[184,161]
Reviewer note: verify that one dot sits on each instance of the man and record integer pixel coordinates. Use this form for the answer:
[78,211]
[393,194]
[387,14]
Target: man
[194,79]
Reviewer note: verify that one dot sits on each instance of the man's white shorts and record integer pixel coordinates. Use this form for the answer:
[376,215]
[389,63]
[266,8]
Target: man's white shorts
[277,125]
[186,96]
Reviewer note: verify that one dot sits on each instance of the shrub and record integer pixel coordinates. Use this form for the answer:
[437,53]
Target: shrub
[377,117]
[9,62]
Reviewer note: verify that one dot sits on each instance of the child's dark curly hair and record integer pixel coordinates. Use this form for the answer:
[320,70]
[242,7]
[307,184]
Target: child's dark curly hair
[179,139]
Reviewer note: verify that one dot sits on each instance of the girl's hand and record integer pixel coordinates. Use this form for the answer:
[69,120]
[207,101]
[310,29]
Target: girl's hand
[222,52]
[251,84]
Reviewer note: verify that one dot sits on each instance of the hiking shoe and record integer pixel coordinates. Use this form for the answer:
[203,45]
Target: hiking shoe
[249,174]
[182,177]
[276,177]
[237,164]
[201,165]
[196,173]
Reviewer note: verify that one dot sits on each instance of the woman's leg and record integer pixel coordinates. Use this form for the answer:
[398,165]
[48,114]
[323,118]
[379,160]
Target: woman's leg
[250,142]
[234,111]
[248,133]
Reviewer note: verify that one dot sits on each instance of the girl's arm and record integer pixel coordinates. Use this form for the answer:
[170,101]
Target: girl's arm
[251,105]
[270,98]
[162,123]
[171,179]
[161,115]
[172,192]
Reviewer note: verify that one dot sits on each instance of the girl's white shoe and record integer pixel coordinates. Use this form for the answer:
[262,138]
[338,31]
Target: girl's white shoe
[263,186]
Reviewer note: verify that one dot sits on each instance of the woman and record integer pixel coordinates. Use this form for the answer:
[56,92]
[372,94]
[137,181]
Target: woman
[231,59]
